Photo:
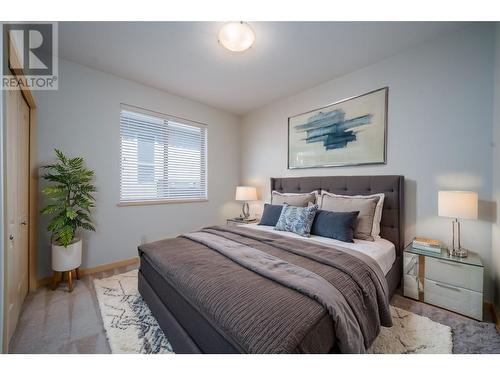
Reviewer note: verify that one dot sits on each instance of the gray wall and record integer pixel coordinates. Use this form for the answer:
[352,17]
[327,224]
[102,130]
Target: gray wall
[2,214]
[439,131]
[496,174]
[82,119]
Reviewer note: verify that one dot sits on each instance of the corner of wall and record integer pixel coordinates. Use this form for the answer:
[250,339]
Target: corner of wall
[240,120]
[495,230]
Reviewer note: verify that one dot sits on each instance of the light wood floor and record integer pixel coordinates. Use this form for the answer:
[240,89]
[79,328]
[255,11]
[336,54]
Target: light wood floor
[61,322]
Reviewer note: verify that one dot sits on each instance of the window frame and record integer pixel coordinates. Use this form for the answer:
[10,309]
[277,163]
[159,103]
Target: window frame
[167,117]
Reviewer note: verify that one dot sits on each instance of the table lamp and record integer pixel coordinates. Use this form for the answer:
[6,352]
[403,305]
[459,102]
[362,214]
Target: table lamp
[457,205]
[245,194]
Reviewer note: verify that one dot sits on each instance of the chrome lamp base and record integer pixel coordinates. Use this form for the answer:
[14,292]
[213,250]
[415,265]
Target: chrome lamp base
[457,251]
[245,211]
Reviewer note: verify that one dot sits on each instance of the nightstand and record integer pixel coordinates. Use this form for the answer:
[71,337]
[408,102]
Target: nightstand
[442,280]
[238,221]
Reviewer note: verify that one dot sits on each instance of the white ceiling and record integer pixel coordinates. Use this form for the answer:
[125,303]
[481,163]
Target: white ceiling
[184,58]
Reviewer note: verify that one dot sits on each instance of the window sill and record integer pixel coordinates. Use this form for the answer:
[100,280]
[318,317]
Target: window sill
[165,201]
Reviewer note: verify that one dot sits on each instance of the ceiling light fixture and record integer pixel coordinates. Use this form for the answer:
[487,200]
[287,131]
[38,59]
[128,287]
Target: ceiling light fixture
[236,36]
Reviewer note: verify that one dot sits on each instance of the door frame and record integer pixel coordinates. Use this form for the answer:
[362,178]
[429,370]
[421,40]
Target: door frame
[33,193]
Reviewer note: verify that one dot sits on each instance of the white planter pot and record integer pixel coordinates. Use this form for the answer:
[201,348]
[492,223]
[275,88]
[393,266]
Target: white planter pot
[67,258]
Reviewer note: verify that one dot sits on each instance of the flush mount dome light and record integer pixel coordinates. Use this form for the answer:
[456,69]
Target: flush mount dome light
[236,36]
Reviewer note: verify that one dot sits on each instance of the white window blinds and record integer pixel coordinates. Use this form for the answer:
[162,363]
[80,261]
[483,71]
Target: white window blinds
[163,158]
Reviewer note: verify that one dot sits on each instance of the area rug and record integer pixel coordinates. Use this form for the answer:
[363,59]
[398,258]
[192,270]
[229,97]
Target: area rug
[130,327]
[412,334]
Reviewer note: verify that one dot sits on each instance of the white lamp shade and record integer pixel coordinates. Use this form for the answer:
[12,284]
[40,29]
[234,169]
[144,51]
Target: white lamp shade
[246,193]
[457,204]
[236,36]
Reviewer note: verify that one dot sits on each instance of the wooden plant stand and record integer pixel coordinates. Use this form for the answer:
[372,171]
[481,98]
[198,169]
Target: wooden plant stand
[58,277]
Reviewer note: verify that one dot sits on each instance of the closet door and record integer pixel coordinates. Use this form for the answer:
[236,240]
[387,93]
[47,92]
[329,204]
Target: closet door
[23,196]
[17,206]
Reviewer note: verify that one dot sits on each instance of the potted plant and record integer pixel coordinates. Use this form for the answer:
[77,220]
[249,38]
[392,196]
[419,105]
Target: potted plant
[69,202]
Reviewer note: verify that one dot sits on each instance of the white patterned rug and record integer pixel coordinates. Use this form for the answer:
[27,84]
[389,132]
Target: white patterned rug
[412,334]
[130,327]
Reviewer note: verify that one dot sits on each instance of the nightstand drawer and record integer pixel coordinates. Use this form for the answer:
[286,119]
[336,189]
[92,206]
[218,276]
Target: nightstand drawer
[462,301]
[455,274]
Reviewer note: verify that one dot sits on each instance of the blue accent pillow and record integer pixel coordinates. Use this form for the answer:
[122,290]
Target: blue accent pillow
[297,219]
[271,214]
[336,225]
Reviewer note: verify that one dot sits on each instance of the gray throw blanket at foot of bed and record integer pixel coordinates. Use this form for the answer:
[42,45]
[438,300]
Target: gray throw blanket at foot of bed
[353,289]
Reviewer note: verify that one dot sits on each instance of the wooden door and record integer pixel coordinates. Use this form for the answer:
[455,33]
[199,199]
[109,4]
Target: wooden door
[23,198]
[17,205]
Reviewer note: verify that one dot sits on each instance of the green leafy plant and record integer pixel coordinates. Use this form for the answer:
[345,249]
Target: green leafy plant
[69,198]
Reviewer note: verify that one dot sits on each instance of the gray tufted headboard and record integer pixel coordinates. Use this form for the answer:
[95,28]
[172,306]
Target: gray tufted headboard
[392,223]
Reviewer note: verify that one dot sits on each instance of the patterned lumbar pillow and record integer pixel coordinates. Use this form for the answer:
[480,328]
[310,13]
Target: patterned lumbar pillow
[297,219]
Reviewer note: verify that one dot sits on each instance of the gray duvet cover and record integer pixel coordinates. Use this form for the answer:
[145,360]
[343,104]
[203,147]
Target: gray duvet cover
[267,292]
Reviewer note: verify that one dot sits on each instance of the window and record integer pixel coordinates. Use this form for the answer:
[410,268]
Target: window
[163,158]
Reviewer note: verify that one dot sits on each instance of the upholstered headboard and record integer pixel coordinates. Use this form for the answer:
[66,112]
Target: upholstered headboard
[392,223]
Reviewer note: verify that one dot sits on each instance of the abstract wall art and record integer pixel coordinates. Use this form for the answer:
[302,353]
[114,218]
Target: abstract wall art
[348,132]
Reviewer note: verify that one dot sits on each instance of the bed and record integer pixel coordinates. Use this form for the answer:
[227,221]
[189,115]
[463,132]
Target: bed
[207,302]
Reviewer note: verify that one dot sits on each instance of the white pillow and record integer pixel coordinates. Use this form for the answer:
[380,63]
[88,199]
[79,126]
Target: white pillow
[377,217]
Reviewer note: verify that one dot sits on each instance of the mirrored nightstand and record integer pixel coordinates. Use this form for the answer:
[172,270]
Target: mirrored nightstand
[239,221]
[442,280]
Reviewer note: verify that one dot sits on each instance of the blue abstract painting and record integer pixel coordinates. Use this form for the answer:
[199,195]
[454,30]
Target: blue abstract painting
[349,132]
[332,128]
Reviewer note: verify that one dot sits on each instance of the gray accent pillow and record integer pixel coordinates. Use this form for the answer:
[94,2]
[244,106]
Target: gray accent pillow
[293,199]
[337,225]
[271,214]
[297,219]
[364,204]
